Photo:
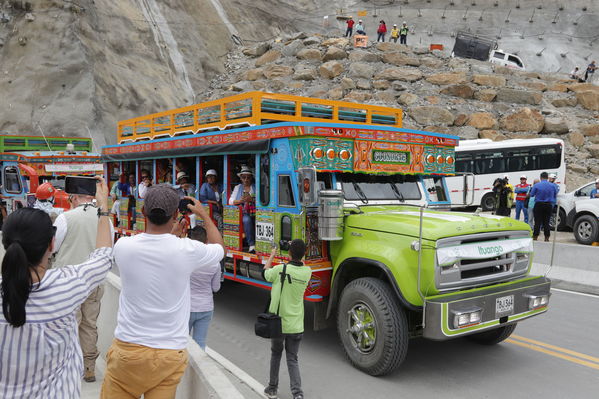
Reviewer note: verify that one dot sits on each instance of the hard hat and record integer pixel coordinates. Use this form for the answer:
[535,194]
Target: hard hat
[45,191]
[394,24]
[552,175]
[211,172]
[359,20]
[405,23]
[523,177]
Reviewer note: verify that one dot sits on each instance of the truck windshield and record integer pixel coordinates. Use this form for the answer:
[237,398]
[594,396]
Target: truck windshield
[359,187]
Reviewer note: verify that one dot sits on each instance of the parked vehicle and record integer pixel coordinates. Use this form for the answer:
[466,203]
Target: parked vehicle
[585,221]
[468,45]
[567,204]
[363,193]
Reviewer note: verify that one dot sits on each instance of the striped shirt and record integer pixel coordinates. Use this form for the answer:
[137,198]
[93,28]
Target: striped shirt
[42,358]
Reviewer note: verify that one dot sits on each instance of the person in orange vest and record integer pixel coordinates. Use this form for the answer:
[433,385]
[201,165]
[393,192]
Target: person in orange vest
[522,191]
[350,27]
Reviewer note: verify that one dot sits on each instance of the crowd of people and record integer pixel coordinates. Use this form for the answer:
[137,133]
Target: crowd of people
[400,33]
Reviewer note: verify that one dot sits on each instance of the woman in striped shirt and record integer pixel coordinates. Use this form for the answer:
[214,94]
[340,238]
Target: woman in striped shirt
[40,356]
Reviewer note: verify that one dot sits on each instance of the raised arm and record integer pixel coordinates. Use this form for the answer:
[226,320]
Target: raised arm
[213,235]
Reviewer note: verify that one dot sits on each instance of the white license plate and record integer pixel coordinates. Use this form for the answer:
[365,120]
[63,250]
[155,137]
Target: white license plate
[504,305]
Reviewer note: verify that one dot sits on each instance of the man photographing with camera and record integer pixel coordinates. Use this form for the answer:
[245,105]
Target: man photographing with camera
[148,353]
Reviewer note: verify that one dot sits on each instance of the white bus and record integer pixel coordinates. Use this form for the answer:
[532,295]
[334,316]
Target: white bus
[488,160]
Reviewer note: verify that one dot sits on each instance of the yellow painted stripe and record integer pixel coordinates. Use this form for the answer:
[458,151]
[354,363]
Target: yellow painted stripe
[552,353]
[557,348]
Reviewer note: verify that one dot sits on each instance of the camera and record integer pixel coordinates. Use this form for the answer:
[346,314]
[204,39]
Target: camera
[183,206]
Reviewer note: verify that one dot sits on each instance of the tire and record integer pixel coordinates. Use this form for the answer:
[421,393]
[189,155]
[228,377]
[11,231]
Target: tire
[487,203]
[561,221]
[586,229]
[372,301]
[494,336]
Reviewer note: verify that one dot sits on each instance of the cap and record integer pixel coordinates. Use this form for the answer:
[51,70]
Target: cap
[45,191]
[405,23]
[394,24]
[359,20]
[211,172]
[245,171]
[161,197]
[523,177]
[181,175]
[552,175]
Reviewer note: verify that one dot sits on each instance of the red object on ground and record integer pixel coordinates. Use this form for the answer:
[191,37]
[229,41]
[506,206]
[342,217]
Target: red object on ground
[436,47]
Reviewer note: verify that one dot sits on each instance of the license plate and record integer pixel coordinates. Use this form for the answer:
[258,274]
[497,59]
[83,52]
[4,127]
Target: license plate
[504,305]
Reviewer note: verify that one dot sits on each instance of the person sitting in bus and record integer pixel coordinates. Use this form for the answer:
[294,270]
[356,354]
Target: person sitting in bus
[183,187]
[44,200]
[210,193]
[146,181]
[244,195]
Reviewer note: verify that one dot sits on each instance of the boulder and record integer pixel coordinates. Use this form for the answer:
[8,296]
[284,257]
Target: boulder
[431,115]
[310,54]
[334,53]
[421,50]
[331,69]
[467,132]
[594,150]
[259,85]
[318,91]
[432,99]
[482,121]
[347,83]
[336,93]
[516,96]
[523,120]
[431,62]
[311,40]
[388,46]
[486,95]
[407,98]
[257,50]
[277,71]
[396,73]
[450,78]
[590,129]
[358,96]
[292,48]
[560,87]
[564,102]
[268,57]
[305,74]
[335,41]
[254,74]
[396,85]
[399,59]
[576,168]
[296,85]
[244,85]
[578,87]
[594,139]
[576,139]
[381,84]
[540,86]
[555,126]
[364,84]
[594,169]
[588,99]
[363,56]
[361,70]
[386,96]
[489,80]
[462,90]
[491,134]
[460,120]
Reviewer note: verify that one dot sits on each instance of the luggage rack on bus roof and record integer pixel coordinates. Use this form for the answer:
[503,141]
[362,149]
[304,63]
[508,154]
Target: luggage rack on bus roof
[251,109]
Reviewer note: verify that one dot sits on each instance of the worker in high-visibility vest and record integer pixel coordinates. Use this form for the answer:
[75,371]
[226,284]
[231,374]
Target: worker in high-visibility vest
[403,33]
[394,33]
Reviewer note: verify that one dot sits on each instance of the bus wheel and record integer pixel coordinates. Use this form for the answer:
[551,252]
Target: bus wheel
[488,202]
[494,336]
[372,326]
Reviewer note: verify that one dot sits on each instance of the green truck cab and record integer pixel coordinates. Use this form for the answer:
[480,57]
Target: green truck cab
[389,261]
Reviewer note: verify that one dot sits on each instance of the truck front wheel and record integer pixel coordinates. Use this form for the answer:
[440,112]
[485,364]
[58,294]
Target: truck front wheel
[494,336]
[372,326]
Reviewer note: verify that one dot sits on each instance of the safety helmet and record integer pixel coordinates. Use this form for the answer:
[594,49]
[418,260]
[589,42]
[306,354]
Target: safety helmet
[45,191]
[523,177]
[552,175]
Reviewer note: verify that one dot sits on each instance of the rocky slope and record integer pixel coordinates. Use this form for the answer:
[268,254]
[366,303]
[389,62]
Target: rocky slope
[471,99]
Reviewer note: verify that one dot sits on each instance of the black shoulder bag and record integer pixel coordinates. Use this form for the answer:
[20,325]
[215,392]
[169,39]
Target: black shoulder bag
[268,325]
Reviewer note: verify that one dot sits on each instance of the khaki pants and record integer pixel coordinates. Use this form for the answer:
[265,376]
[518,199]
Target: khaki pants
[133,370]
[88,331]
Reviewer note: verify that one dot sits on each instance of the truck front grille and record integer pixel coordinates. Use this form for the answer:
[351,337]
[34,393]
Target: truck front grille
[467,273]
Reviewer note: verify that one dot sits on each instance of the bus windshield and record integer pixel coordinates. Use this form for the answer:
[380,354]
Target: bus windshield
[361,187]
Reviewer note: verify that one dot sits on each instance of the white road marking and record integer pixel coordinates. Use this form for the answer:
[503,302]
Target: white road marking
[236,371]
[576,293]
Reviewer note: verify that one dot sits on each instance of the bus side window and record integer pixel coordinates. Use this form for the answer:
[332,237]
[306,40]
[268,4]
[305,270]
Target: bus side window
[12,180]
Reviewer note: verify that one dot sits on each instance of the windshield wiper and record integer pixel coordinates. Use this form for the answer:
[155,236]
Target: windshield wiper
[361,194]
[397,193]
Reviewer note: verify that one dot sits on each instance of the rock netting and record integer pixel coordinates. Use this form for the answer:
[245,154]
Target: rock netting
[467,98]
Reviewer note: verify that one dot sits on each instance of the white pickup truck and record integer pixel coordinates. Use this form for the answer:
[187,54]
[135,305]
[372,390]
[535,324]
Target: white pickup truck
[567,205]
[586,221]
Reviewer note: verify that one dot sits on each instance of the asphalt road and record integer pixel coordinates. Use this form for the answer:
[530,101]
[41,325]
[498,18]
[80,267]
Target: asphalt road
[555,355]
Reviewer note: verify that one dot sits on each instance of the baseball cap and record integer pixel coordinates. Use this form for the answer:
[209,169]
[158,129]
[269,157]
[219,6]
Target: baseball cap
[552,175]
[161,197]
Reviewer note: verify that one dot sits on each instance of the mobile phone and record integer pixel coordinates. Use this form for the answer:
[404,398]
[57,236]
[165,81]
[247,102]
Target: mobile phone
[183,206]
[80,185]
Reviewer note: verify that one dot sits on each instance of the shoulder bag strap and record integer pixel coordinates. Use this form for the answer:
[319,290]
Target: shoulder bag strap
[283,274]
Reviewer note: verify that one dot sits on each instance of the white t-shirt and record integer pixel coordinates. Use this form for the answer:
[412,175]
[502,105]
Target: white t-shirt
[155,271]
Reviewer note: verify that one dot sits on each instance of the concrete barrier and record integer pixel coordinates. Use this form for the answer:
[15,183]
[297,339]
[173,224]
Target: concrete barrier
[573,263]
[203,377]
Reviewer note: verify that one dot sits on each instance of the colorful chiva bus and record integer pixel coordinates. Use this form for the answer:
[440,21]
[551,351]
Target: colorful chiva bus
[364,194]
[27,161]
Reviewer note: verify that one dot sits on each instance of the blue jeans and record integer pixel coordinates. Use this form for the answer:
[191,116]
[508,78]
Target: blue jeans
[198,326]
[249,229]
[520,208]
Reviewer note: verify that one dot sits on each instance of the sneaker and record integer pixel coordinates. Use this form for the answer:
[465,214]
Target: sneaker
[89,376]
[271,392]
[298,396]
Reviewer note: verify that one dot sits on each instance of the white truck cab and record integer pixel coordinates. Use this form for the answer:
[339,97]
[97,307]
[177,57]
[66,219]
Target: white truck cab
[500,57]
[567,204]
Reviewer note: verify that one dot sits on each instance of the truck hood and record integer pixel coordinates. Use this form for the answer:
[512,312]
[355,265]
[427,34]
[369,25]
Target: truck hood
[405,220]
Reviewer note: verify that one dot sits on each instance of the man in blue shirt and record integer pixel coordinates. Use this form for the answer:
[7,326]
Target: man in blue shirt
[545,194]
[595,191]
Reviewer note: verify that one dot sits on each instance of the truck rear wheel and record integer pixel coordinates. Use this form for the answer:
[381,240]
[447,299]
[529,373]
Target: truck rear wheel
[494,336]
[372,326]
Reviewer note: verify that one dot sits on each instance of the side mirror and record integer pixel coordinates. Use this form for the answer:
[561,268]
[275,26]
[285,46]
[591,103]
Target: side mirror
[308,186]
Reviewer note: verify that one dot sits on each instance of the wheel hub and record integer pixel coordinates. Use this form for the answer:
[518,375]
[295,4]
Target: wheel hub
[361,327]
[584,230]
